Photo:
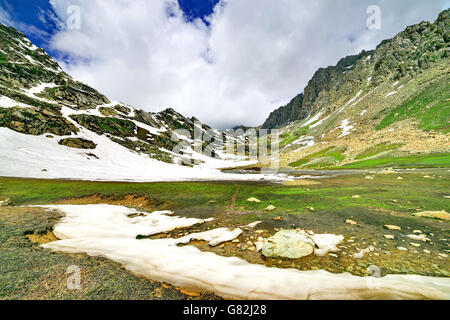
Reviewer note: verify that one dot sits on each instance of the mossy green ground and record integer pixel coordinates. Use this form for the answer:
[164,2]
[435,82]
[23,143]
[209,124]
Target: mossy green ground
[326,157]
[27,271]
[377,149]
[430,107]
[438,160]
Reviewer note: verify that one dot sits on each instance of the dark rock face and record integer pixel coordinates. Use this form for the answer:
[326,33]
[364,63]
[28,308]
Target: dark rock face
[408,53]
[282,116]
[35,121]
[78,143]
[112,126]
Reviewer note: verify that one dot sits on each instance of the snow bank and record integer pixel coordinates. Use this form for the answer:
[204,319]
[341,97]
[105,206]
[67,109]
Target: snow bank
[391,93]
[313,119]
[346,128]
[98,230]
[24,155]
[354,98]
[6,102]
[214,237]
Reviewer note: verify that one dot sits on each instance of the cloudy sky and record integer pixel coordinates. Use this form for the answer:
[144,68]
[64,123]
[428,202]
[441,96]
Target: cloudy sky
[226,62]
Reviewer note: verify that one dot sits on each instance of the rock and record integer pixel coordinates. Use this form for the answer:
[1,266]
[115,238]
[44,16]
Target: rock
[388,171]
[311,209]
[333,255]
[361,253]
[259,245]
[402,249]
[389,236]
[288,244]
[356,197]
[426,251]
[270,208]
[392,227]
[418,238]
[443,255]
[5,202]
[253,200]
[415,244]
[106,111]
[259,231]
[276,218]
[369,177]
[78,143]
[417,231]
[427,177]
[350,222]
[443,215]
[399,178]
[254,224]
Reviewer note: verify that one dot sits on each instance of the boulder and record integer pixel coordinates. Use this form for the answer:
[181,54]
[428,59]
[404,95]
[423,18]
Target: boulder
[253,199]
[78,143]
[288,244]
[443,215]
[4,202]
[392,227]
[270,208]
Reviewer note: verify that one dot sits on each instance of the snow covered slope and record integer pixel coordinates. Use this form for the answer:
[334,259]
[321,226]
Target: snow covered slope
[54,127]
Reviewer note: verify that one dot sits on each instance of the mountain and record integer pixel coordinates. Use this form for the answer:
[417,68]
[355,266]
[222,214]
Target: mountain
[394,98]
[289,113]
[50,122]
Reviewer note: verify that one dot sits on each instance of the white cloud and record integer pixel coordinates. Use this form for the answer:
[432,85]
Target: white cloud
[256,56]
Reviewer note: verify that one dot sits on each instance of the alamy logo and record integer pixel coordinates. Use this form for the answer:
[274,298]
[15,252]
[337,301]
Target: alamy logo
[74,279]
[74,19]
[253,145]
[374,20]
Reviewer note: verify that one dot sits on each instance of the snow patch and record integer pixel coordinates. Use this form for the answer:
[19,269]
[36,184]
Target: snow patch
[313,119]
[391,93]
[83,229]
[354,98]
[26,156]
[346,128]
[6,102]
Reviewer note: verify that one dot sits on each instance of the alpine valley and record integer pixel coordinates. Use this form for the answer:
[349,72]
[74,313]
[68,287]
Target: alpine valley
[161,206]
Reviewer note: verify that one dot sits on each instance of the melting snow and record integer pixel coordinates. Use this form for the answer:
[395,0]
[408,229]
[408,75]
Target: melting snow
[26,156]
[391,93]
[346,128]
[353,99]
[41,87]
[6,102]
[318,123]
[305,141]
[313,119]
[363,112]
[98,230]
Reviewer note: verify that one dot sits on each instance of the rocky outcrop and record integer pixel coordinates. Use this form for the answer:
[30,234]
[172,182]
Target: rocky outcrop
[35,121]
[78,143]
[408,53]
[283,115]
[75,93]
[288,244]
[101,125]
